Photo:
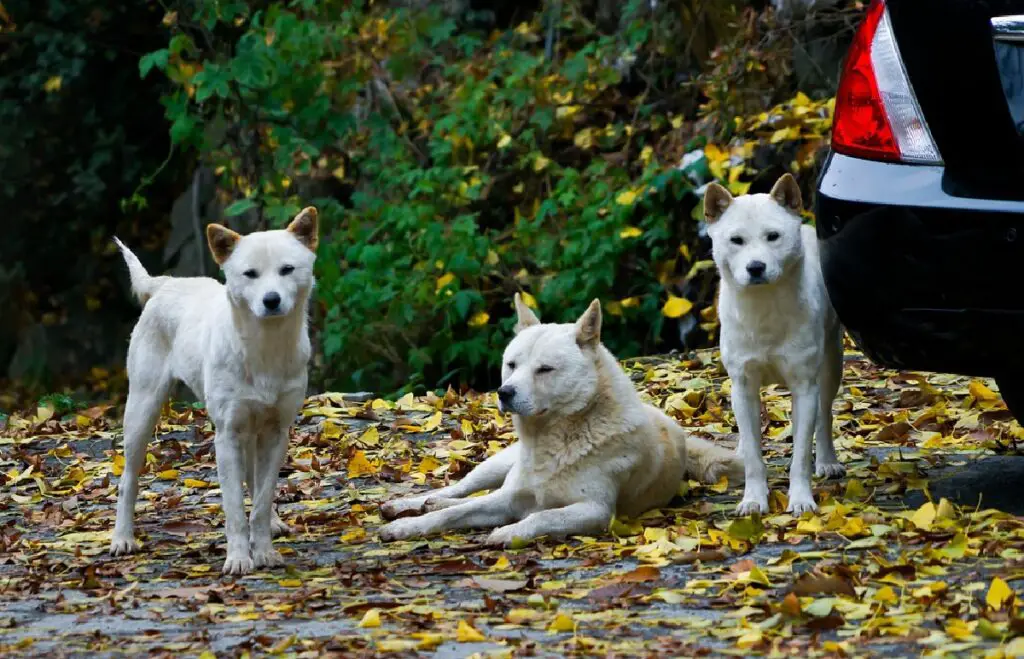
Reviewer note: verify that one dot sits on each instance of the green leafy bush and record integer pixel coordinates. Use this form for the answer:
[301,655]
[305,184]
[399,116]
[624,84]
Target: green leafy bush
[454,166]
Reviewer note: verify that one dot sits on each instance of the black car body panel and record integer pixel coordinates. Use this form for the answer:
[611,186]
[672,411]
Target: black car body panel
[920,278]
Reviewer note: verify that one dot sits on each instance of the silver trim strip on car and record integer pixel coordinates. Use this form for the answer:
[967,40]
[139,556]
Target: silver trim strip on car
[1008,28]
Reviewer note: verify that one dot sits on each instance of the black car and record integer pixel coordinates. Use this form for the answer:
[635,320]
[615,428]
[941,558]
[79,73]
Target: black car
[920,204]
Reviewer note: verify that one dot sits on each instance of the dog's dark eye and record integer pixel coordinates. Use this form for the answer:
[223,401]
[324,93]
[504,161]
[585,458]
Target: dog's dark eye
[736,240]
[545,369]
[287,270]
[511,366]
[771,236]
[251,274]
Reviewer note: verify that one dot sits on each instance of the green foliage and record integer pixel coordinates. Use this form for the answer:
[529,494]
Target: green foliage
[60,403]
[454,166]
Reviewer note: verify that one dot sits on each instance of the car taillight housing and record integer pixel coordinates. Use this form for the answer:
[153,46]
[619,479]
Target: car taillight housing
[877,116]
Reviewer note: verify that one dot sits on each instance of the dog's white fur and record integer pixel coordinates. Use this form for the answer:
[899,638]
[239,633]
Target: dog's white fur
[239,352]
[588,446]
[778,326]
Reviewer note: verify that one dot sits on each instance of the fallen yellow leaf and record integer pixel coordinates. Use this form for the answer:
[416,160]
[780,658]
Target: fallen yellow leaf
[466,633]
[562,623]
[358,466]
[371,618]
[999,592]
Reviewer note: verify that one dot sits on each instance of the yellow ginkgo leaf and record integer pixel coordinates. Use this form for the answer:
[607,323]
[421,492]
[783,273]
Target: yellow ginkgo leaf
[118,468]
[53,84]
[444,280]
[631,232]
[998,593]
[676,306]
[466,633]
[479,319]
[371,619]
[978,389]
[626,198]
[168,474]
[562,623]
[358,466]
[924,516]
[433,422]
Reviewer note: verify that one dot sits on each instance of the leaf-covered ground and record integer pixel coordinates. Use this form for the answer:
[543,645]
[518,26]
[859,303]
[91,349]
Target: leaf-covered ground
[880,570]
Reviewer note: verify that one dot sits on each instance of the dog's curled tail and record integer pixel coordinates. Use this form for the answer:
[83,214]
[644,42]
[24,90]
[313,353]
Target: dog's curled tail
[707,462]
[144,285]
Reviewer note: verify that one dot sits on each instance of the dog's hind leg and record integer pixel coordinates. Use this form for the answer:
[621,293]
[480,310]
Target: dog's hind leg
[826,463]
[487,475]
[147,392]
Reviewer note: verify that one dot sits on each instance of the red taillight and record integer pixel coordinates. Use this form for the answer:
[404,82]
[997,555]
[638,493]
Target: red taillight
[860,127]
[877,115]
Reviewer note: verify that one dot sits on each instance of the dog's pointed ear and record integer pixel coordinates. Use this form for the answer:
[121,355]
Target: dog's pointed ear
[524,314]
[786,192]
[305,228]
[588,327]
[716,200]
[222,242]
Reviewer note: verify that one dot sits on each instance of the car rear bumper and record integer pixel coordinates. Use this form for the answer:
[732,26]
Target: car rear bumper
[922,279]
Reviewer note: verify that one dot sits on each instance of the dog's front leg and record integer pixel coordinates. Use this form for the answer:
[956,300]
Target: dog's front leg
[271,447]
[805,412]
[480,512]
[487,475]
[746,405]
[576,519]
[230,471]
[277,525]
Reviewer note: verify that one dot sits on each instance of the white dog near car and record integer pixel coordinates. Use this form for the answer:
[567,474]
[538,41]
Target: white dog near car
[588,446]
[243,349]
[777,326]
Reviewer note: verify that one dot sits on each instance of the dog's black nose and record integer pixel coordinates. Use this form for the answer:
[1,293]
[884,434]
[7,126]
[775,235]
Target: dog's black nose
[505,394]
[756,268]
[272,301]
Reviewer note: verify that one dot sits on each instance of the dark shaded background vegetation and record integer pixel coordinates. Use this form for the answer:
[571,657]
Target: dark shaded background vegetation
[460,151]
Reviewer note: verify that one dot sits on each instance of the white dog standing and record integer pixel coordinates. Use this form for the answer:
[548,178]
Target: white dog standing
[588,446]
[777,326]
[243,349]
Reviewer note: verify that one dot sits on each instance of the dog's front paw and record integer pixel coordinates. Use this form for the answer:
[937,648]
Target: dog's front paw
[751,506]
[801,502]
[506,536]
[237,564]
[267,558]
[397,508]
[401,529]
[122,546]
[830,470]
[278,527]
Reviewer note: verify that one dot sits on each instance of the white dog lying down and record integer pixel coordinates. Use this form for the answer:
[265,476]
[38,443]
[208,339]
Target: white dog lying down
[778,326]
[588,446]
[242,349]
